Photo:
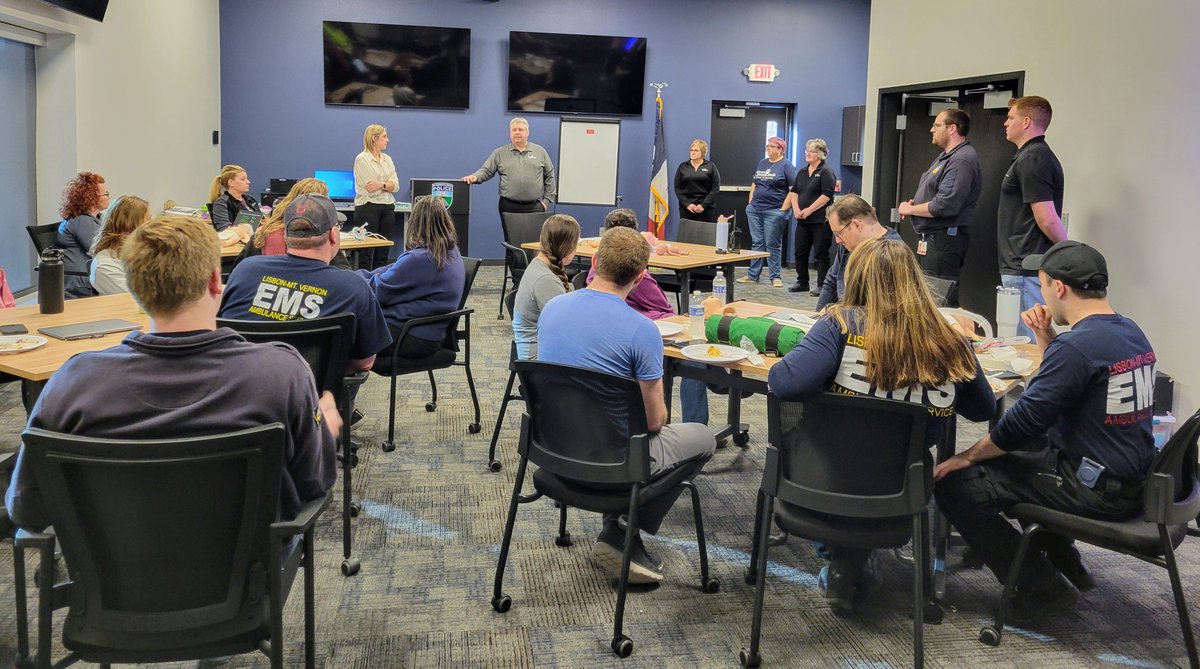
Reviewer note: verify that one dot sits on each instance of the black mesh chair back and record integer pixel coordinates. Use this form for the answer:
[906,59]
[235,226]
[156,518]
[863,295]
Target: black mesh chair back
[522,228]
[697,232]
[323,342]
[170,543]
[46,237]
[848,455]
[943,290]
[579,281]
[584,425]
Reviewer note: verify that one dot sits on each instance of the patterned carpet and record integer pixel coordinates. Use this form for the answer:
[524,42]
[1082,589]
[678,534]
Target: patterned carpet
[432,522]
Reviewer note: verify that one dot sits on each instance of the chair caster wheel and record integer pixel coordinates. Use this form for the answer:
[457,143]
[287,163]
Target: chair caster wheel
[350,566]
[431,406]
[989,636]
[749,660]
[711,585]
[751,576]
[502,603]
[622,646]
[933,613]
[355,509]
[473,428]
[564,540]
[741,438]
[388,446]
[495,465]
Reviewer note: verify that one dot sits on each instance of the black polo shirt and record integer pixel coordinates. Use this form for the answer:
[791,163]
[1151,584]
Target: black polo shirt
[951,188]
[808,188]
[1034,176]
[697,185]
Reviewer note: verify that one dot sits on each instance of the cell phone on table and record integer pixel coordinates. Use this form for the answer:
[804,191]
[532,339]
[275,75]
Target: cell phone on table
[13,329]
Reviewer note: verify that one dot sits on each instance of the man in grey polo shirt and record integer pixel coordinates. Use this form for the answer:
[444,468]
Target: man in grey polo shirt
[526,172]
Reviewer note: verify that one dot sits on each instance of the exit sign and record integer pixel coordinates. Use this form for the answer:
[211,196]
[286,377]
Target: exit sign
[764,72]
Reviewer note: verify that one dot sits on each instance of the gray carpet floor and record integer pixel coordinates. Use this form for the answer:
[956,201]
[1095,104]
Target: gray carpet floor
[432,523]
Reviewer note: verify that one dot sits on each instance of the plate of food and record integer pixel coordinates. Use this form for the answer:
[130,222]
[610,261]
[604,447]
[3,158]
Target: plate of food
[714,353]
[667,328]
[20,343]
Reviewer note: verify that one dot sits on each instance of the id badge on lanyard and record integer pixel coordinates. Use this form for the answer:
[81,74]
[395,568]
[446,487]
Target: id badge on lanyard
[922,246]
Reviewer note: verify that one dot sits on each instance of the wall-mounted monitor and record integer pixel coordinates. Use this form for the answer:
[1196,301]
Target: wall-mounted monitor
[340,182]
[384,65]
[583,74]
[93,9]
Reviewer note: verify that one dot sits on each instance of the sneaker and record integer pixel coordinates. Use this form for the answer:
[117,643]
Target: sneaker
[356,417]
[814,293]
[836,583]
[798,288]
[1039,600]
[777,283]
[747,279]
[644,568]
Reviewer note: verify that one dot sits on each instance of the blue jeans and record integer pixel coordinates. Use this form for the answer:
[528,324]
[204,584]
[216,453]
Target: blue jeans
[693,398]
[766,234]
[1031,294]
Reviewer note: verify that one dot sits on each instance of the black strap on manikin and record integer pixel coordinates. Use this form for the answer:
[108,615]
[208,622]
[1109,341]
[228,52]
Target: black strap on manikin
[723,329]
[770,340]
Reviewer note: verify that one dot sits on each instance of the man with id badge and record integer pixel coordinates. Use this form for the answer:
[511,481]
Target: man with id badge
[1078,440]
[945,200]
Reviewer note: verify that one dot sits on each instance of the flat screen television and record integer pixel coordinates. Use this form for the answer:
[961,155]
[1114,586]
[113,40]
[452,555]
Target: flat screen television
[583,74]
[93,9]
[384,65]
[340,182]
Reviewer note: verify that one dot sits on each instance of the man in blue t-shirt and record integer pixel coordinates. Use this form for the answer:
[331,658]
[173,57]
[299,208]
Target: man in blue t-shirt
[1078,440]
[596,329]
[301,284]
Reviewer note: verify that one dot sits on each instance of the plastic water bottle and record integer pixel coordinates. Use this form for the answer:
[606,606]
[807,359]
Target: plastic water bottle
[719,286]
[204,212]
[51,278]
[696,316]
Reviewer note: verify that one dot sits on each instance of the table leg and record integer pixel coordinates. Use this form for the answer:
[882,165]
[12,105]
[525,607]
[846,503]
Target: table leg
[739,431]
[685,289]
[941,529]
[727,268]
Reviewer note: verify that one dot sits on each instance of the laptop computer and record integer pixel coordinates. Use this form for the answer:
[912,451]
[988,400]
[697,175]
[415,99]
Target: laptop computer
[89,330]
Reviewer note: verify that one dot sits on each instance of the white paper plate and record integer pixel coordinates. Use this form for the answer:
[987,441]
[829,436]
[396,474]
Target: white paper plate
[20,343]
[699,353]
[667,328]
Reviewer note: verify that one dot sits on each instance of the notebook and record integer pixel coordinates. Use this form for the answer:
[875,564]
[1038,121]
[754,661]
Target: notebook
[89,330]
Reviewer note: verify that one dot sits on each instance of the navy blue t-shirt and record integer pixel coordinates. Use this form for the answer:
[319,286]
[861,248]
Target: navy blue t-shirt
[771,183]
[291,288]
[828,359]
[1094,395]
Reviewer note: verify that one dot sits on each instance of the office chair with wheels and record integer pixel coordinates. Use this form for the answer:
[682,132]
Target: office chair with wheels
[493,464]
[1171,500]
[46,237]
[814,469]
[700,278]
[518,229]
[586,432]
[324,343]
[579,281]
[393,366]
[173,545]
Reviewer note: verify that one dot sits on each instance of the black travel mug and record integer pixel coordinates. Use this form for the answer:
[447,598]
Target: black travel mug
[50,282]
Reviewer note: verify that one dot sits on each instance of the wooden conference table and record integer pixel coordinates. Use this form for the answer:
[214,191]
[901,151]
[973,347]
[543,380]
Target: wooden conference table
[743,377]
[35,367]
[698,256]
[349,244]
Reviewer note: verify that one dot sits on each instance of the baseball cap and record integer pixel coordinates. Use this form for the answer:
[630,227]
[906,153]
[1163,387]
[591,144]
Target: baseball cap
[1074,263]
[316,210]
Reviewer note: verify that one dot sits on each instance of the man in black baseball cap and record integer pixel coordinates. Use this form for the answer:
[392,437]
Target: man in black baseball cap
[1078,440]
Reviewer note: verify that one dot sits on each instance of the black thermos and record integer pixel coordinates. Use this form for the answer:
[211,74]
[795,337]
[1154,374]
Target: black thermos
[50,282]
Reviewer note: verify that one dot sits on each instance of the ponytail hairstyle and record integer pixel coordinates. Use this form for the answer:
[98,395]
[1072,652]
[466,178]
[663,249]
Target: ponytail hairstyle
[221,181]
[560,237]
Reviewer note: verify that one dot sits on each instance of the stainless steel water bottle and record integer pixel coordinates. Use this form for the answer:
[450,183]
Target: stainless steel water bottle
[50,282]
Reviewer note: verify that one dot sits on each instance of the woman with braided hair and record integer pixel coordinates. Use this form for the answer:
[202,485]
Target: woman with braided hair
[544,279]
[426,280]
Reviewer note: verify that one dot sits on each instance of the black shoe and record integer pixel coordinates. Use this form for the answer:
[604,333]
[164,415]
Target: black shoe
[798,287]
[1070,564]
[1038,600]
[836,582]
[609,547]
[814,293]
[355,417]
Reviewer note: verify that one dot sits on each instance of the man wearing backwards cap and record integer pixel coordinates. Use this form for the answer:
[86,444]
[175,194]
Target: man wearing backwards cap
[1078,440]
[301,284]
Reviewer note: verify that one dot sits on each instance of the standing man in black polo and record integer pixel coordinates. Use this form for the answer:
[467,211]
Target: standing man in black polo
[1031,197]
[945,200]
[526,173]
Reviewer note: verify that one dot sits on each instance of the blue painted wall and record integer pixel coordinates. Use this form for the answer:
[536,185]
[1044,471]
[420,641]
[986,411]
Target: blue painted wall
[275,123]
